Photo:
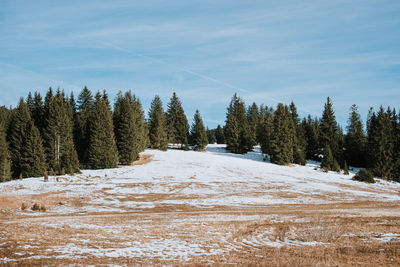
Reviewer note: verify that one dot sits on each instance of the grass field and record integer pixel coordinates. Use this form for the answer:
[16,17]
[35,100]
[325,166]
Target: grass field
[187,208]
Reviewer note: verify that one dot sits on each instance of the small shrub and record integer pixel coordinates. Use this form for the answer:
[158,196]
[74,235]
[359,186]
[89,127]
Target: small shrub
[46,177]
[23,206]
[43,208]
[325,169]
[51,172]
[35,207]
[364,175]
[20,176]
[62,172]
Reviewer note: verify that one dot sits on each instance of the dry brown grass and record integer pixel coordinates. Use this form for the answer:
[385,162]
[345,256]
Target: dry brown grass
[346,237]
[143,159]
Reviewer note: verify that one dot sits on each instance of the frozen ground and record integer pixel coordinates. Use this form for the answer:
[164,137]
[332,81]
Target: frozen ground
[185,205]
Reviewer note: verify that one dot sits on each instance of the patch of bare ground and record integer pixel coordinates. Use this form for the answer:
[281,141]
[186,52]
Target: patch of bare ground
[143,159]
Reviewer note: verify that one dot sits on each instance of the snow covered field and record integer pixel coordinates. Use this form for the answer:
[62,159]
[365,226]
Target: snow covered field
[186,206]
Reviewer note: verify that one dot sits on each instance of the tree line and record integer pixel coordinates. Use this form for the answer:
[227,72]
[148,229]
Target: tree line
[287,139]
[59,135]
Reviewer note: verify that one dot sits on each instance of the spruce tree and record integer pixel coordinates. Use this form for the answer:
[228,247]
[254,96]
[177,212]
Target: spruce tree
[84,115]
[25,144]
[33,162]
[311,132]
[265,129]
[103,151]
[58,135]
[157,125]
[327,159]
[5,162]
[198,133]
[380,144]
[232,137]
[299,140]
[178,127]
[329,131]
[237,134]
[355,140]
[129,127]
[219,135]
[282,137]
[253,119]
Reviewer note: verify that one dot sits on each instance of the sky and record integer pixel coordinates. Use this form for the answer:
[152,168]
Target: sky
[205,51]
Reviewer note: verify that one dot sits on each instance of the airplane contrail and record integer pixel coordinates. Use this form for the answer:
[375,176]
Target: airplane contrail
[197,74]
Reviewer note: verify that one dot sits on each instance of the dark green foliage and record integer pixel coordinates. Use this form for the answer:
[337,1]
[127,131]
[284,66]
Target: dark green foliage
[82,133]
[58,134]
[157,125]
[282,136]
[198,133]
[355,140]
[33,162]
[253,119]
[36,109]
[103,153]
[364,175]
[380,144]
[329,134]
[25,144]
[5,161]
[327,159]
[219,135]
[265,128]
[129,127]
[335,166]
[237,130]
[299,140]
[178,127]
[311,133]
[211,136]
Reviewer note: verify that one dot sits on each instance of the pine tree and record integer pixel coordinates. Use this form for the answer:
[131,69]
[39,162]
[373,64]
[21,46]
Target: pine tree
[329,132]
[327,160]
[232,131]
[25,144]
[103,151]
[380,144]
[282,137]
[5,162]
[237,134]
[198,133]
[299,140]
[219,135]
[157,125]
[33,162]
[253,119]
[58,135]
[84,115]
[265,129]
[311,132]
[178,127]
[129,127]
[355,140]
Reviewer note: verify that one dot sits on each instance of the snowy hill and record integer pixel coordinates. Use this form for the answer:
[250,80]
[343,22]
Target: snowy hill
[196,208]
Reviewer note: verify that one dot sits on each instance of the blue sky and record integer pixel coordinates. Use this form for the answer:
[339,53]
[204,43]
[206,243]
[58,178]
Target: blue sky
[266,51]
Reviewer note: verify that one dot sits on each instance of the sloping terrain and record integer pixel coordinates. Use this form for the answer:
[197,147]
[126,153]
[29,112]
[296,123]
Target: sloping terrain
[184,207]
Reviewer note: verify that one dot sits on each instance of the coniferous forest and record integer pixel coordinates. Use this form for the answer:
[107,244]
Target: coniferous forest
[60,135]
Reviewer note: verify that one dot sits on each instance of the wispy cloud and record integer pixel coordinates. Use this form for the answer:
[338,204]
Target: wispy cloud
[205,50]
